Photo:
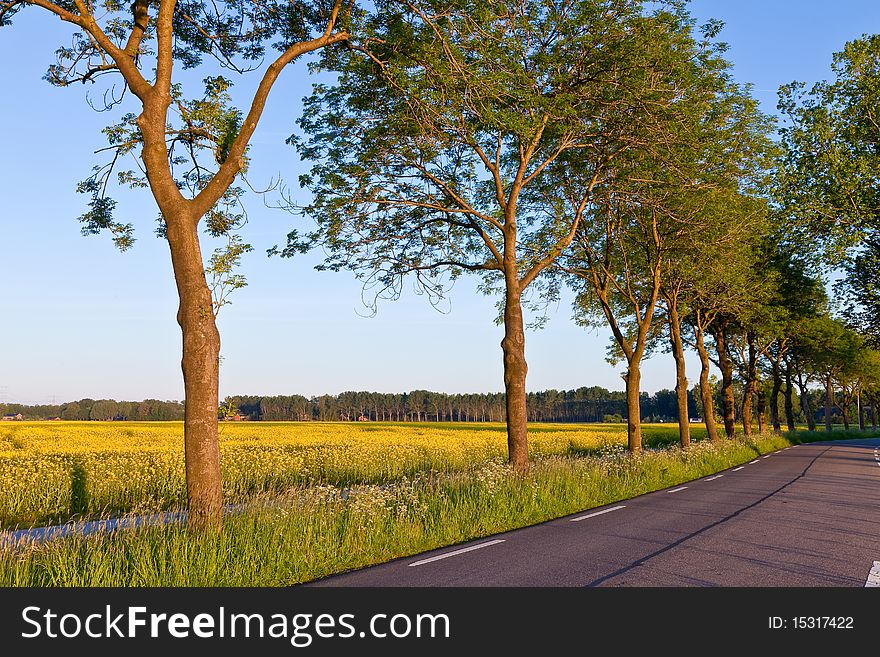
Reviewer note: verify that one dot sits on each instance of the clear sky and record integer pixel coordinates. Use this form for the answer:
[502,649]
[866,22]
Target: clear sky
[80,319]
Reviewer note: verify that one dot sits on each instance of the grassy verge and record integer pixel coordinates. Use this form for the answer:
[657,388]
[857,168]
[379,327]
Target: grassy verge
[313,531]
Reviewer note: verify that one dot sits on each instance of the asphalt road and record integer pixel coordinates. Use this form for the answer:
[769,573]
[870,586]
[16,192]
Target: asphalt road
[804,516]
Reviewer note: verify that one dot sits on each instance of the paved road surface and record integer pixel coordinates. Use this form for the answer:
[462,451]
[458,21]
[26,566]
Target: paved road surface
[804,516]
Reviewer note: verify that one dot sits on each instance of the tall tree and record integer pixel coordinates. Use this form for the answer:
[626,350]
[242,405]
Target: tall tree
[450,125]
[695,290]
[188,151]
[714,293]
[827,349]
[829,179]
[700,150]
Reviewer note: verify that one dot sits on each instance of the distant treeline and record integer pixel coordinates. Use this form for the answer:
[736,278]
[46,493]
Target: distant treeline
[100,409]
[593,404]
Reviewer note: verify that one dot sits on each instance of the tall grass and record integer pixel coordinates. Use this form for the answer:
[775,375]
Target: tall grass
[311,531]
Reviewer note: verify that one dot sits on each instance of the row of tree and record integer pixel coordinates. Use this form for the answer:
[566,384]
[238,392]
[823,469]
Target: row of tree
[617,158]
[598,145]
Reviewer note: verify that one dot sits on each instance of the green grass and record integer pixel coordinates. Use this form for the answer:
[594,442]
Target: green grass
[313,531]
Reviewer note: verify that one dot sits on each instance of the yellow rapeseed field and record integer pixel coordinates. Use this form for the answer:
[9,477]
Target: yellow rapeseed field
[57,470]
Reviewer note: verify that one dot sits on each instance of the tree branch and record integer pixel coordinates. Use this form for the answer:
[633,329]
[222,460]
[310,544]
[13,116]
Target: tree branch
[165,47]
[235,160]
[140,19]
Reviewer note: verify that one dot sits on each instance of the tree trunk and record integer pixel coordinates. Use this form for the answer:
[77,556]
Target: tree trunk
[844,412]
[746,409]
[681,382]
[789,402]
[705,389]
[807,406]
[751,386]
[201,373]
[633,379]
[829,402]
[725,364]
[515,370]
[774,397]
[861,410]
[762,411]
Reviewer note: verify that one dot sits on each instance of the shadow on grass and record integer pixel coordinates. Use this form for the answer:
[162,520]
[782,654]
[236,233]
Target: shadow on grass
[79,493]
[820,435]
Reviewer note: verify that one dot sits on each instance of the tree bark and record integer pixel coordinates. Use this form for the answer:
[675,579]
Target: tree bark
[789,402]
[633,379]
[725,364]
[829,401]
[515,371]
[681,382]
[706,396]
[201,373]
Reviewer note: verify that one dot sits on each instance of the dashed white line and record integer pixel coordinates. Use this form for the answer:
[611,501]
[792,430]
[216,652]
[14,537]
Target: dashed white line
[739,468]
[675,490]
[598,513]
[767,457]
[751,462]
[714,478]
[874,576]
[457,552]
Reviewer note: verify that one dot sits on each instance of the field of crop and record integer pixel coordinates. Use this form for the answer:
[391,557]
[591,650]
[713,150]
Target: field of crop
[313,499]
[55,471]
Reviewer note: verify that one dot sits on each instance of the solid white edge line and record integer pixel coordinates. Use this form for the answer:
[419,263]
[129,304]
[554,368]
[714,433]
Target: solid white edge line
[874,576]
[598,513]
[739,468]
[675,490]
[715,477]
[456,552]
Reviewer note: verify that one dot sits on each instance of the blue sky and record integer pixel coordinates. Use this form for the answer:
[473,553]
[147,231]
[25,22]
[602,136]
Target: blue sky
[81,319]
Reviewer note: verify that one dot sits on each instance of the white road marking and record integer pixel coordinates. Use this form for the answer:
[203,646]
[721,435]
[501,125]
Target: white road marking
[675,490]
[456,552]
[768,456]
[755,461]
[739,468]
[598,513]
[874,576]
[714,478]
